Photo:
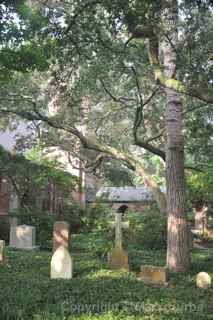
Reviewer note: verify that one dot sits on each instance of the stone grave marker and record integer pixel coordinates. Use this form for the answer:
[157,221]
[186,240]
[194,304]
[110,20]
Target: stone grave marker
[203,280]
[23,237]
[61,264]
[61,235]
[153,275]
[118,257]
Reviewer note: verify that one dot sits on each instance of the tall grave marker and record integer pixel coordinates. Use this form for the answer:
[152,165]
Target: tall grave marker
[61,235]
[118,257]
[61,262]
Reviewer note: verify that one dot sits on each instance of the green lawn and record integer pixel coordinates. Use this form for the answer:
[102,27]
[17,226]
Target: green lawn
[26,292]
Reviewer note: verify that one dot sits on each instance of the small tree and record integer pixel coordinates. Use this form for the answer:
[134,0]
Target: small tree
[37,181]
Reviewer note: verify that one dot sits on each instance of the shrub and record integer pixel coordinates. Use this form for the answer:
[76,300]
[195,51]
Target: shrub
[147,229]
[96,236]
[99,242]
[91,219]
[42,221]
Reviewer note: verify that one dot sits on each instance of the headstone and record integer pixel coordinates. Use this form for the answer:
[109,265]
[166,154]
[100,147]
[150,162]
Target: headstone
[60,235]
[203,280]
[23,237]
[118,257]
[153,275]
[2,251]
[61,264]
[118,260]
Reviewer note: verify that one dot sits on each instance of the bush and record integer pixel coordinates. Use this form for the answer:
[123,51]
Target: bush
[96,236]
[147,229]
[42,221]
[91,219]
[85,219]
[99,242]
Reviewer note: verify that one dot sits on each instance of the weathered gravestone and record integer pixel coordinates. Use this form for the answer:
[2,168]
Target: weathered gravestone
[153,275]
[23,237]
[118,257]
[61,264]
[203,280]
[2,251]
[61,235]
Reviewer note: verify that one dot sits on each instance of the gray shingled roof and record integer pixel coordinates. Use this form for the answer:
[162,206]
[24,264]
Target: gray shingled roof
[123,194]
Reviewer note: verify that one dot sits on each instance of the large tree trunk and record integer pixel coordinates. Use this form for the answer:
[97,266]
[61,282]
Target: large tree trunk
[177,241]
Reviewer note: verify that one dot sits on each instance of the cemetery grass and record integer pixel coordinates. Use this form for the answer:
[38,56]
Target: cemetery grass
[26,292]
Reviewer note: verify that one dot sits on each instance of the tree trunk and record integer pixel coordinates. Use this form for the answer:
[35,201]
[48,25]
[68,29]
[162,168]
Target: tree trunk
[177,239]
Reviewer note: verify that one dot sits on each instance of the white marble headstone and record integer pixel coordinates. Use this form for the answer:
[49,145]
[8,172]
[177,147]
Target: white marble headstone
[61,264]
[23,237]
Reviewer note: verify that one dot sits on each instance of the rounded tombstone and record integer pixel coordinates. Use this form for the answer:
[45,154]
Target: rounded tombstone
[203,280]
[61,264]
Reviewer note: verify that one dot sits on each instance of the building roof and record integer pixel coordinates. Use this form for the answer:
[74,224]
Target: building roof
[122,194]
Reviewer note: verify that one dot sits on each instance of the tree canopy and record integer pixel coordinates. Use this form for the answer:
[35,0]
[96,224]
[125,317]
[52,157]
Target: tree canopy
[127,78]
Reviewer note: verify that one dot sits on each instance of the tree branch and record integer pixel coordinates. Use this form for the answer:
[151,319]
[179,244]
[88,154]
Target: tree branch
[195,108]
[157,136]
[116,99]
[203,94]
[114,153]
[80,11]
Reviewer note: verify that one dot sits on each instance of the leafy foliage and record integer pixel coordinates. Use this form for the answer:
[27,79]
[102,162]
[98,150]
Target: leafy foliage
[26,176]
[200,186]
[25,45]
[148,230]
[97,293]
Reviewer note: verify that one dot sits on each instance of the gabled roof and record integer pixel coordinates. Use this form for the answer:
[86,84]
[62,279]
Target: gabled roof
[122,194]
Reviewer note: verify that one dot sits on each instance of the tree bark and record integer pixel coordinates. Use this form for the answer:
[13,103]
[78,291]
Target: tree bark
[178,258]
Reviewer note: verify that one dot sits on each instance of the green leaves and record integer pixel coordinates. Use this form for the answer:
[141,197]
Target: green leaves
[34,176]
[200,186]
[27,57]
[96,293]
[25,44]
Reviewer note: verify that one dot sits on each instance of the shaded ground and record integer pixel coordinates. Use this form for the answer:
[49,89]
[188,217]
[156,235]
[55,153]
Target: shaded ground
[26,291]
